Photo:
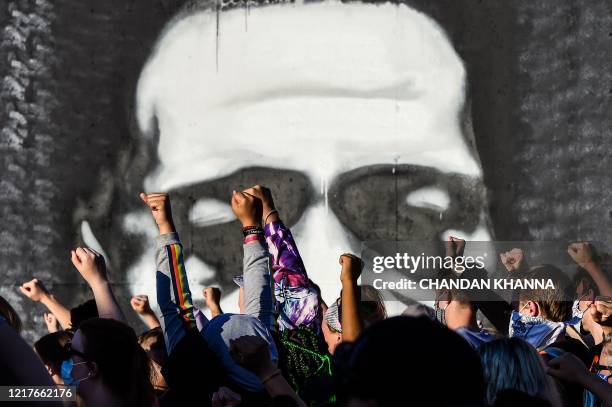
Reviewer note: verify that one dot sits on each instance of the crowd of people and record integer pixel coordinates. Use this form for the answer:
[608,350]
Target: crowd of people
[287,347]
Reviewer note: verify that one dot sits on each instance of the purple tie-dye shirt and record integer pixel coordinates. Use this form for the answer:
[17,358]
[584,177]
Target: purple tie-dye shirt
[297,300]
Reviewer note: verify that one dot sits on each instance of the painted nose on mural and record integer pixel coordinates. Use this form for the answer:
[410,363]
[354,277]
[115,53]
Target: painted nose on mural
[321,239]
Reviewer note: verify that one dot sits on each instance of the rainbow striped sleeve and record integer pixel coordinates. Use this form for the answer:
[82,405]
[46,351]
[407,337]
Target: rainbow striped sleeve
[171,263]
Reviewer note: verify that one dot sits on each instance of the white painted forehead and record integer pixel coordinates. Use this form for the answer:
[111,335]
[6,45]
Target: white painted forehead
[351,84]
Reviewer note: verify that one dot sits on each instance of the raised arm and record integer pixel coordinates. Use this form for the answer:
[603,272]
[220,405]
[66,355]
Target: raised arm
[140,304]
[258,297]
[92,268]
[582,254]
[36,291]
[299,304]
[173,293]
[350,319]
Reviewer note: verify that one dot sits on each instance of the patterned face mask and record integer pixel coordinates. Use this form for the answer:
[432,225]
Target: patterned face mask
[537,331]
[576,312]
[441,314]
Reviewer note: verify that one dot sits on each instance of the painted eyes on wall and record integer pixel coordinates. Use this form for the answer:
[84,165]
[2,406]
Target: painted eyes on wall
[405,202]
[374,202]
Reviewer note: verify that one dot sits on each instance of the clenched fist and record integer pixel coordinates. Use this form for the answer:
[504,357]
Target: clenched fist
[159,203]
[140,304]
[581,253]
[34,290]
[90,264]
[265,195]
[247,208]
[512,260]
[50,321]
[351,267]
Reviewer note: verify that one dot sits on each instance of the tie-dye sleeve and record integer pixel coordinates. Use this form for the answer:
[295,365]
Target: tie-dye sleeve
[297,301]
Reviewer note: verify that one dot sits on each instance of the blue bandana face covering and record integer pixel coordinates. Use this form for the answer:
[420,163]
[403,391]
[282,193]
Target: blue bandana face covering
[66,373]
[537,331]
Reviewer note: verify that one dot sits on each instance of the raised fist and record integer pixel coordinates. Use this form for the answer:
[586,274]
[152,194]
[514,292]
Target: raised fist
[140,304]
[159,203]
[212,295]
[90,264]
[581,253]
[34,290]
[512,260]
[454,247]
[50,321]
[265,195]
[247,208]
[351,267]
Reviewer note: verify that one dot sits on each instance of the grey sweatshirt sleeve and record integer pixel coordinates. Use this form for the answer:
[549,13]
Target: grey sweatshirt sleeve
[258,295]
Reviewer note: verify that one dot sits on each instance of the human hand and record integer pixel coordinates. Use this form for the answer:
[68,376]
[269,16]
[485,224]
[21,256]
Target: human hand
[251,352]
[454,247]
[212,295]
[50,321]
[581,253]
[265,195]
[225,397]
[351,268]
[567,367]
[512,260]
[247,208]
[601,313]
[90,265]
[140,304]
[34,290]
[159,203]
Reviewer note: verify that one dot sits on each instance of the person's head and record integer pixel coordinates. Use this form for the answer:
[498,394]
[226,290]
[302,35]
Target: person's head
[371,310]
[512,363]
[107,359]
[331,327]
[585,290]
[83,312]
[603,366]
[552,304]
[51,349]
[153,343]
[455,310]
[411,354]
[194,101]
[11,316]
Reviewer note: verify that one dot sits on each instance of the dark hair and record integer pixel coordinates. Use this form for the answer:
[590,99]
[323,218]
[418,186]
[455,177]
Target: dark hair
[153,342]
[122,364]
[554,303]
[10,315]
[51,349]
[582,276]
[83,312]
[402,353]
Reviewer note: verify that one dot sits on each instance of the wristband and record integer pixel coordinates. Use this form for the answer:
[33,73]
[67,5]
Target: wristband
[252,238]
[268,215]
[252,230]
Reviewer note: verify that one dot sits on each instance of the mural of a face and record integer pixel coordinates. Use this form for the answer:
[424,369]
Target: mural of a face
[351,113]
